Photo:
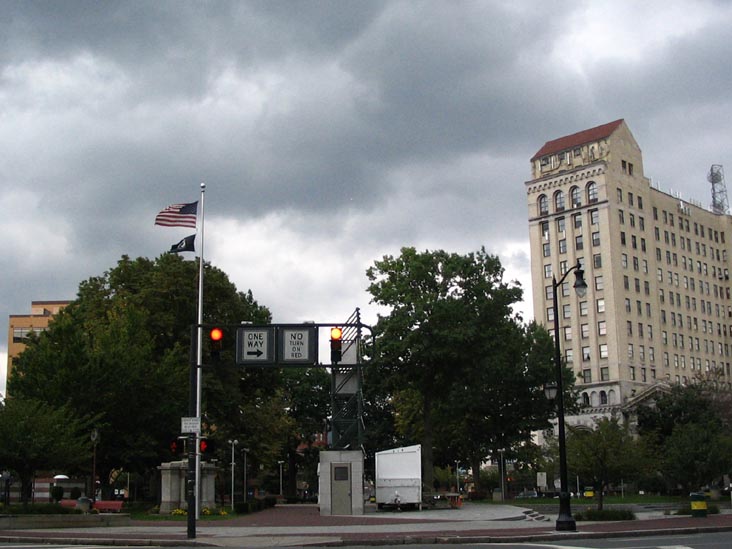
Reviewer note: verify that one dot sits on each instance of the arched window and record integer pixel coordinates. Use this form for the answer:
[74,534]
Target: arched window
[611,397]
[585,399]
[575,197]
[559,201]
[591,192]
[603,397]
[543,205]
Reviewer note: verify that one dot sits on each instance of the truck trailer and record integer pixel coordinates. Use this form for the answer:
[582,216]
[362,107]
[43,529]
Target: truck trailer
[399,477]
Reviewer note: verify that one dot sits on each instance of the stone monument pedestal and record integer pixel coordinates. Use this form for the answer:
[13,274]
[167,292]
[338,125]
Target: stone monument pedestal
[173,493]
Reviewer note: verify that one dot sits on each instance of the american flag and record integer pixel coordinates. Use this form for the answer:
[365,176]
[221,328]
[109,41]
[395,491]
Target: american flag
[178,215]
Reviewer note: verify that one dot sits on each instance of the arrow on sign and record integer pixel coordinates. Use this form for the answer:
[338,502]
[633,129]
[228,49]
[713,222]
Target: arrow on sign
[256,353]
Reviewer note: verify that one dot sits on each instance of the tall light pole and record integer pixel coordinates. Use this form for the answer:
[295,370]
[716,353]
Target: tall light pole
[246,488]
[280,464]
[457,475]
[233,463]
[502,469]
[565,522]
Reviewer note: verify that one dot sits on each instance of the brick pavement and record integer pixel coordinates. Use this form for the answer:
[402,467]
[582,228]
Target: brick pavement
[290,525]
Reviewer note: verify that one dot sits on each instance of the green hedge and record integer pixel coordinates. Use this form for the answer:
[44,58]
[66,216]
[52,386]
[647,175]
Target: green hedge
[37,509]
[605,514]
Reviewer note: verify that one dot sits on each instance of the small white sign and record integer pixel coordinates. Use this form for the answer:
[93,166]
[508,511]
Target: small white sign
[541,479]
[190,425]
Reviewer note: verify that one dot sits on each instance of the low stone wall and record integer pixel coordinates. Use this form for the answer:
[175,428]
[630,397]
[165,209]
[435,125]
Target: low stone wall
[22,522]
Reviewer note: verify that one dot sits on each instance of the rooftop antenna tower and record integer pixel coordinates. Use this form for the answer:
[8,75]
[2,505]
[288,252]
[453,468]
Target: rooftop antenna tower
[720,206]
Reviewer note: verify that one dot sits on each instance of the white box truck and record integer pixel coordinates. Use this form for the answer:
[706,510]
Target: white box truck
[399,477]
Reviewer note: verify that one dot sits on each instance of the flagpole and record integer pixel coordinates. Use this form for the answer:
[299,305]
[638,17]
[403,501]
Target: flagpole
[199,359]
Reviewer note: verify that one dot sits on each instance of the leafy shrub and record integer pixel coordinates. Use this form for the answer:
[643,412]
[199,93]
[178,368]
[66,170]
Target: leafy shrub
[605,514]
[39,509]
[57,493]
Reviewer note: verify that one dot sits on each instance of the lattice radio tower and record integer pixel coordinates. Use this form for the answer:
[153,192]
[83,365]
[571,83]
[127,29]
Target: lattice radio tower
[720,205]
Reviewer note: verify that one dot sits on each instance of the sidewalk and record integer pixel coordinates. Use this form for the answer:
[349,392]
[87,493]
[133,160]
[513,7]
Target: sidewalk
[301,525]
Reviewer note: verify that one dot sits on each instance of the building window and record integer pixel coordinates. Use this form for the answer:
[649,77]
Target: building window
[583,308]
[594,217]
[578,245]
[587,375]
[550,314]
[568,356]
[563,246]
[543,205]
[598,283]
[601,305]
[575,197]
[603,350]
[585,354]
[591,192]
[559,201]
[546,249]
[577,221]
[548,270]
[605,373]
[596,238]
[567,333]
[566,311]
[601,328]
[585,330]
[597,261]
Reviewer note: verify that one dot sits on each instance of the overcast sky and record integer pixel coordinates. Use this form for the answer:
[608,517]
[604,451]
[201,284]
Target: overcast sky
[328,133]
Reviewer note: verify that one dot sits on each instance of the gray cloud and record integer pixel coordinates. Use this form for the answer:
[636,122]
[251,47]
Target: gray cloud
[329,134]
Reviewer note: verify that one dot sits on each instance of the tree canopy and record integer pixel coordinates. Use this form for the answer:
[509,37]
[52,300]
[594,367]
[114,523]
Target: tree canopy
[449,349]
[120,352]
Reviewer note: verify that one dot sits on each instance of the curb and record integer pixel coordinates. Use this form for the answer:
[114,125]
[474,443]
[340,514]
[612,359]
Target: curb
[396,540]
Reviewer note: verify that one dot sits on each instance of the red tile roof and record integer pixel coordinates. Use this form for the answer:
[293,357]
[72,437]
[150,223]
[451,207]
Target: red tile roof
[576,139]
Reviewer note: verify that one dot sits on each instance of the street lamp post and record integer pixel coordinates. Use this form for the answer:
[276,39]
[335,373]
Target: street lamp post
[246,488]
[280,464]
[565,522]
[233,463]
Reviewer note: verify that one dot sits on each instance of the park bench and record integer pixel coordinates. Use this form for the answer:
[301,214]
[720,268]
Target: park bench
[114,506]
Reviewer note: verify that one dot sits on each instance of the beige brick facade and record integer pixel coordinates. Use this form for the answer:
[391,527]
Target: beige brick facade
[21,325]
[658,302]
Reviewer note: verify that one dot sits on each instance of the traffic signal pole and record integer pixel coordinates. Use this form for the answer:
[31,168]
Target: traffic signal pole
[191,445]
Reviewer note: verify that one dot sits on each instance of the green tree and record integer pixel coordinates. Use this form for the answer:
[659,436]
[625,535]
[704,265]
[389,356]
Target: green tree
[120,353]
[306,399]
[441,305]
[38,437]
[605,455]
[689,428]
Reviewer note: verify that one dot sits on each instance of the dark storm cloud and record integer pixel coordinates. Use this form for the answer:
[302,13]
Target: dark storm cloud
[329,133]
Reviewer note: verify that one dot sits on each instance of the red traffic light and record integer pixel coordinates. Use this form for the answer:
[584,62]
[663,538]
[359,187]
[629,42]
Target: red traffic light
[203,445]
[216,334]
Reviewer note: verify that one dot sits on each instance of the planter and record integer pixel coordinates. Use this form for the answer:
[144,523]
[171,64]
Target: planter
[22,522]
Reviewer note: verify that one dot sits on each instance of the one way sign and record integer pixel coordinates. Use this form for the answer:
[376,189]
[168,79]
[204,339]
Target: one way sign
[255,344]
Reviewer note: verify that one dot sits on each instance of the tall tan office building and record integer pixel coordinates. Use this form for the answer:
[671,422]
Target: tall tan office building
[658,301]
[21,325]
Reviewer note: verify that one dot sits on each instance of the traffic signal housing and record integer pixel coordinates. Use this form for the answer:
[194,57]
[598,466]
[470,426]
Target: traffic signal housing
[336,345]
[215,343]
